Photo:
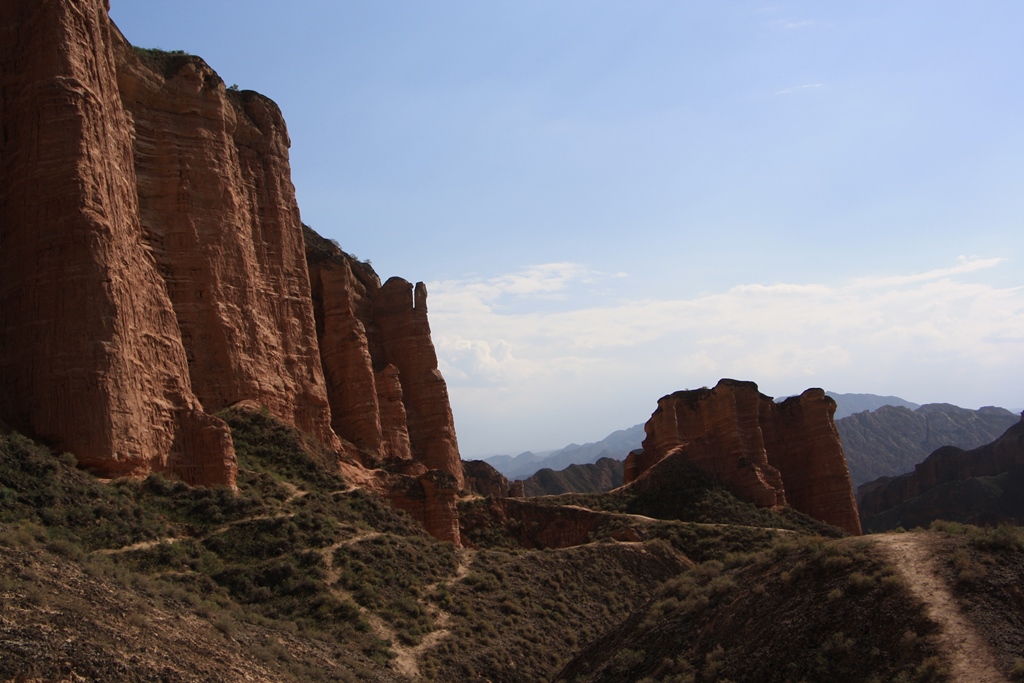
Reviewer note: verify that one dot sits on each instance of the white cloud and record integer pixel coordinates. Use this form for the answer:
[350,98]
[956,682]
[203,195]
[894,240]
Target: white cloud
[790,24]
[795,88]
[965,264]
[904,334]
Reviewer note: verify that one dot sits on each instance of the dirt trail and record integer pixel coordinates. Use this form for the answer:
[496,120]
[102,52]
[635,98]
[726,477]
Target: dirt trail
[407,659]
[969,656]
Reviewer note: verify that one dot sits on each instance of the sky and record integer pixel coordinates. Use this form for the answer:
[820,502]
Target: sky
[613,200]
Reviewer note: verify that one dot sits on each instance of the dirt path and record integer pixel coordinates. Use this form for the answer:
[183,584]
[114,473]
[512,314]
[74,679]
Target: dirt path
[407,658]
[969,656]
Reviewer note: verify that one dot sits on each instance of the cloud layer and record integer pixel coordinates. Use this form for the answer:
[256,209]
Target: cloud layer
[524,373]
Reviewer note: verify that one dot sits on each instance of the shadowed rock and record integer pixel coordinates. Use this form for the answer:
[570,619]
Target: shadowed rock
[767,453]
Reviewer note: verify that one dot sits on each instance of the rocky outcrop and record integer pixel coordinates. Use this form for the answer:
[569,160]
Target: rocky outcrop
[400,312]
[430,499]
[946,466]
[720,431]
[803,444]
[891,440]
[380,362]
[386,393]
[153,267]
[219,216]
[91,356]
[766,453]
[340,291]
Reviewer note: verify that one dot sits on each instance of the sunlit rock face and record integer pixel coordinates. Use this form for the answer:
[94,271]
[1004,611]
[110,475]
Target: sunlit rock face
[387,394]
[771,454]
[154,269]
[91,354]
[219,216]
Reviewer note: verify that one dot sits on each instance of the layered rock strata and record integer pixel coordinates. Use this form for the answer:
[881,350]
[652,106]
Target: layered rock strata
[153,266]
[384,385]
[802,442]
[219,215]
[767,453]
[891,440]
[91,356]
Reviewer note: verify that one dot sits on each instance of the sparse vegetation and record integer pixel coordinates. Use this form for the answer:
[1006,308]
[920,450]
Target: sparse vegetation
[985,567]
[804,609]
[306,578]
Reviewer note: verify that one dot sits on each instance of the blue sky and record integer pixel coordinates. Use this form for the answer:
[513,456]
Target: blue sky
[610,201]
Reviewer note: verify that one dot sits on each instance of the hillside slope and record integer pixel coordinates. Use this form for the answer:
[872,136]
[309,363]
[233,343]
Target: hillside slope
[891,440]
[892,608]
[603,475]
[299,576]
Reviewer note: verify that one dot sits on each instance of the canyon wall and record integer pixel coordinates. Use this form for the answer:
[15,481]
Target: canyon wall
[384,385]
[771,454]
[91,358]
[218,211]
[153,267]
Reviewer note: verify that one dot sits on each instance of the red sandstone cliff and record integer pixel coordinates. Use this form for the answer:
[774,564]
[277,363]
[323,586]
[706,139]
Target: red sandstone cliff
[91,357]
[767,453]
[386,394]
[385,389]
[218,211]
[152,262]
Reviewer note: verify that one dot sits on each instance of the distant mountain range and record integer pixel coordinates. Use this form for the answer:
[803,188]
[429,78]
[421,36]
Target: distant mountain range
[892,439]
[616,445]
[849,404]
[983,486]
[881,436]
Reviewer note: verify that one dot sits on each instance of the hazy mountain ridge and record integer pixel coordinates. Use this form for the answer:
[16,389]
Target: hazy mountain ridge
[892,440]
[983,485]
[616,445]
[848,404]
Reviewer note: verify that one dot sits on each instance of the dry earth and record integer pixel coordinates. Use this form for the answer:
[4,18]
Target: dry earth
[913,555]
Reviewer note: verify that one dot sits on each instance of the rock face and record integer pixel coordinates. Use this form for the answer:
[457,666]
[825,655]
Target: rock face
[400,312]
[91,357]
[720,431]
[153,267]
[891,440]
[767,453]
[384,386]
[950,468]
[803,444]
[219,214]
